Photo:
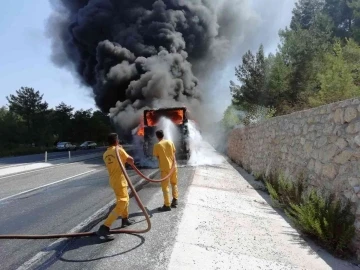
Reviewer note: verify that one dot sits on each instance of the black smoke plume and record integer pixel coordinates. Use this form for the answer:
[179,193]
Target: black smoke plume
[136,54]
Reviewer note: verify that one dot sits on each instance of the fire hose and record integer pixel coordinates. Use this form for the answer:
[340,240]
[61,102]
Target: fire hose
[87,234]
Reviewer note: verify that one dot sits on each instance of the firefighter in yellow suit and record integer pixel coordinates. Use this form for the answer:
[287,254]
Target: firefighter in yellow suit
[119,184]
[165,150]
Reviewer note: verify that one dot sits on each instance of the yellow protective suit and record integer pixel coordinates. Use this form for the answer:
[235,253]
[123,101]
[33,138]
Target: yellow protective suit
[118,183]
[164,151]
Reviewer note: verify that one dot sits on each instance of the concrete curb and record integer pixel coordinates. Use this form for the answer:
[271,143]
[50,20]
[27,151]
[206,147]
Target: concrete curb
[61,244]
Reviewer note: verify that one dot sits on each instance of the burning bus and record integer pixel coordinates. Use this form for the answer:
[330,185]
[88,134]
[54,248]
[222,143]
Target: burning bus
[149,125]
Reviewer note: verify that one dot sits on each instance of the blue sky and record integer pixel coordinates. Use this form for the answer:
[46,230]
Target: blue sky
[25,51]
[25,56]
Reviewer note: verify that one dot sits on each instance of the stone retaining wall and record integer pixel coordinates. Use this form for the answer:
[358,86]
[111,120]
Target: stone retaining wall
[322,143]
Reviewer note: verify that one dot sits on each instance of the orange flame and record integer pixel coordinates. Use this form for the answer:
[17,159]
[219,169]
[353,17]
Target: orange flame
[141,131]
[176,116]
[152,118]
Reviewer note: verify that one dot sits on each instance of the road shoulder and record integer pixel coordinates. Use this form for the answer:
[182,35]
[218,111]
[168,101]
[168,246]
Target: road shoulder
[227,225]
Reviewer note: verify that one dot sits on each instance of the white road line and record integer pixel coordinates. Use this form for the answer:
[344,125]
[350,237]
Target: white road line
[53,183]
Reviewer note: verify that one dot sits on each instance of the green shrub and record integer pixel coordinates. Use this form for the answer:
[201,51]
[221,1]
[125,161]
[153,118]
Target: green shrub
[259,177]
[315,213]
[325,218]
[283,190]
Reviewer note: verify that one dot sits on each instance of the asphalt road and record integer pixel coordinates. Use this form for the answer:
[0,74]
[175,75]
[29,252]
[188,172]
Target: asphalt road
[80,190]
[10,161]
[147,251]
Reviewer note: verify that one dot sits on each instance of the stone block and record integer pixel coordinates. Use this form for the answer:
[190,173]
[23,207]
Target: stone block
[328,129]
[341,143]
[305,129]
[353,128]
[348,194]
[357,189]
[318,167]
[273,134]
[311,120]
[308,147]
[339,116]
[329,152]
[315,154]
[321,142]
[357,140]
[330,108]
[354,182]
[302,141]
[345,103]
[325,118]
[332,139]
[344,169]
[355,101]
[350,114]
[327,185]
[311,165]
[343,157]
[329,171]
[338,130]
[297,130]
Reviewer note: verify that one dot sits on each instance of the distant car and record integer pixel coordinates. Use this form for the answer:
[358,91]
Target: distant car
[66,146]
[88,145]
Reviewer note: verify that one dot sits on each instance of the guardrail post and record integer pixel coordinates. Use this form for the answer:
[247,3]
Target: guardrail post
[69,155]
[45,156]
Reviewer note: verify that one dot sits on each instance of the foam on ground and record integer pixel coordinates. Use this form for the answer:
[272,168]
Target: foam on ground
[201,151]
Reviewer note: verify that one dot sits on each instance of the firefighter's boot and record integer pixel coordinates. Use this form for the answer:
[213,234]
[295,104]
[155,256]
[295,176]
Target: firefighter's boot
[174,203]
[126,222]
[164,208]
[104,232]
